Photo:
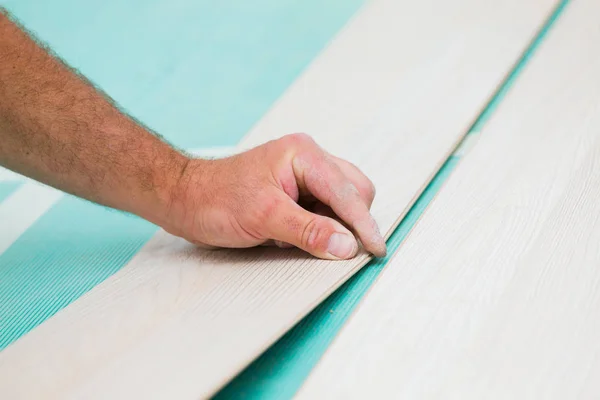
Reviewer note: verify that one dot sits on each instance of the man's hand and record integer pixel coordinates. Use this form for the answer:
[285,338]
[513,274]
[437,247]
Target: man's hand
[257,196]
[57,128]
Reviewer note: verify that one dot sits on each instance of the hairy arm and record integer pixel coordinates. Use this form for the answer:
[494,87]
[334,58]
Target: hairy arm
[57,128]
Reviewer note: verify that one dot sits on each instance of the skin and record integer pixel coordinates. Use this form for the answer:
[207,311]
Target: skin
[56,127]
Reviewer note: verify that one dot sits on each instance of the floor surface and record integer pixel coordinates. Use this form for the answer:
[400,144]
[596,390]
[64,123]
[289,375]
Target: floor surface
[201,73]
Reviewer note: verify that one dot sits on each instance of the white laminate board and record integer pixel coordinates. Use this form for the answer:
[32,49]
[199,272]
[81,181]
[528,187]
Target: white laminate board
[496,292]
[394,93]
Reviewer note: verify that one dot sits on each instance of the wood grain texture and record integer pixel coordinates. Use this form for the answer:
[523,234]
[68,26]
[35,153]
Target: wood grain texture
[178,322]
[496,293]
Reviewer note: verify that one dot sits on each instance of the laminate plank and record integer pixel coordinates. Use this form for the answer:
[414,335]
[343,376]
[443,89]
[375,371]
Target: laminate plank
[178,321]
[496,293]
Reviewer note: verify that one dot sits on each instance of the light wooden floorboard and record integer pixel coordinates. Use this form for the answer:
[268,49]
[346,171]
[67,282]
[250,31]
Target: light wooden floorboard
[496,293]
[394,93]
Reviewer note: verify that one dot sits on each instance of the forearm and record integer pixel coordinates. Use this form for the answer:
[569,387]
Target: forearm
[57,128]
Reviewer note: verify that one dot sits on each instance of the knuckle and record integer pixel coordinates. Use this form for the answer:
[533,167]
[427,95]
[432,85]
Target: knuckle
[267,209]
[299,138]
[292,144]
[372,188]
[257,213]
[367,190]
[315,235]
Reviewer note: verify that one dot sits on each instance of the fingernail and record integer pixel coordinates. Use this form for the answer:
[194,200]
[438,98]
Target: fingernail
[342,245]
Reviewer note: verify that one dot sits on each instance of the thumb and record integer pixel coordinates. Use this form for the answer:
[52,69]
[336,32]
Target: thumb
[321,236]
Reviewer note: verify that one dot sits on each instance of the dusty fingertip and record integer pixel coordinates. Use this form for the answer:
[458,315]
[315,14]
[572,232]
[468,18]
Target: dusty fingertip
[371,238]
[380,249]
[375,245]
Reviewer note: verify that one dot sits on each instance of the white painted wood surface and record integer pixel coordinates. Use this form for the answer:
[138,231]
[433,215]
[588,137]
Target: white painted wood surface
[394,93]
[496,293]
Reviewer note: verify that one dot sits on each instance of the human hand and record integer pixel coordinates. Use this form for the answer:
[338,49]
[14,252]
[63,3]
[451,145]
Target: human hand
[72,137]
[284,192]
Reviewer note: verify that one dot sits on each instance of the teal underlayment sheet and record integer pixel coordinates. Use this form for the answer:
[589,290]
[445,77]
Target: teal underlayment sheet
[201,73]
[6,189]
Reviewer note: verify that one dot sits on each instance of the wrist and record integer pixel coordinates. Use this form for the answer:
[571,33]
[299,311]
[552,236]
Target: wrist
[179,199]
[156,201]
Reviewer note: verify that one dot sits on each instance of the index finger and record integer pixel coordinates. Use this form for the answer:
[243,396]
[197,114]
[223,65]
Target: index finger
[365,187]
[319,174]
